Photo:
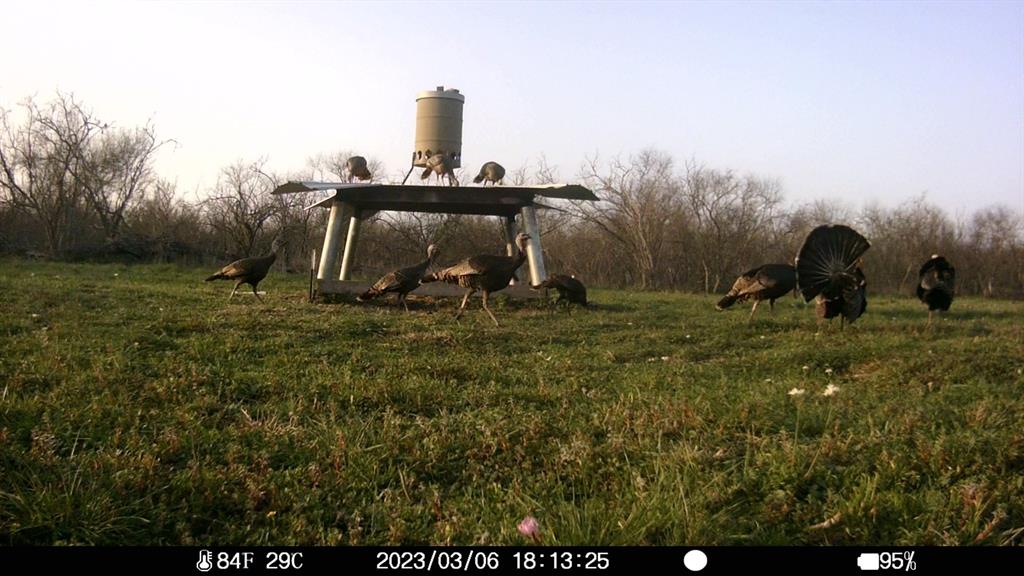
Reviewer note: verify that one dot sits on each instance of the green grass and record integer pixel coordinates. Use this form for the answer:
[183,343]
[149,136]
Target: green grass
[139,406]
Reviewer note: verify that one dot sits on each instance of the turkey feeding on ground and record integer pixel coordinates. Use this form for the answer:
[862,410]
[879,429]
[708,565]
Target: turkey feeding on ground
[568,287]
[768,282]
[401,281]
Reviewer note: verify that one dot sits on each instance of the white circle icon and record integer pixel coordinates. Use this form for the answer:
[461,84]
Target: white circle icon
[695,560]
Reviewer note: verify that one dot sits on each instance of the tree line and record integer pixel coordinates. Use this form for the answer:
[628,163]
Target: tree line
[76,188]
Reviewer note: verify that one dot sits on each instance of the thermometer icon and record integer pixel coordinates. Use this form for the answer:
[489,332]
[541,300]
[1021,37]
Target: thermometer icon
[205,561]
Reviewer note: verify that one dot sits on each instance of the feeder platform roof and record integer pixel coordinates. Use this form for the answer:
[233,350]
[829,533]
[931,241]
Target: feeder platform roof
[484,200]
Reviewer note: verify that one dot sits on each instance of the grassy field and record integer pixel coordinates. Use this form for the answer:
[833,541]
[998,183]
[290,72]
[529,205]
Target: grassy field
[139,406]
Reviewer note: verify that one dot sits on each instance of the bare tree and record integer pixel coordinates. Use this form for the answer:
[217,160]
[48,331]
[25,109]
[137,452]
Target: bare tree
[420,229]
[39,161]
[797,222]
[995,240]
[165,227]
[241,207]
[295,222]
[638,198]
[115,171]
[733,218]
[903,239]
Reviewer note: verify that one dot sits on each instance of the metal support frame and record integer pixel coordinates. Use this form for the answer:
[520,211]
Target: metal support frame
[350,245]
[510,238]
[341,212]
[354,202]
[411,168]
[312,275]
[534,255]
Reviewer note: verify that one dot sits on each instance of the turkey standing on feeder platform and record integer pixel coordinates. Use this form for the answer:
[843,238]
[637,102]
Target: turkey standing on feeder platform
[935,285]
[356,167]
[249,270]
[768,282]
[401,281]
[490,172]
[442,166]
[484,272]
[828,266]
[569,288]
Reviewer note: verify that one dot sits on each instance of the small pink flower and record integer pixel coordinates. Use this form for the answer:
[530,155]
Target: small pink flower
[530,528]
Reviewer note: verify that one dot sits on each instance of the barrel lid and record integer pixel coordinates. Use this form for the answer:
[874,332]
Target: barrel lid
[441,92]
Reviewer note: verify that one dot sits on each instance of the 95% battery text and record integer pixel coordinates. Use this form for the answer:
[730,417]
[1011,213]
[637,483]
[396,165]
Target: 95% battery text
[887,561]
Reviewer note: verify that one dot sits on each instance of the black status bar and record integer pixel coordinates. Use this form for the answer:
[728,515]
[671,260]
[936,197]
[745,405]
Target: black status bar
[213,560]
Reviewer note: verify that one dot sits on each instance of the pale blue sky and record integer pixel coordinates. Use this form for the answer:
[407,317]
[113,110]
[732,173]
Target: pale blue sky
[862,100]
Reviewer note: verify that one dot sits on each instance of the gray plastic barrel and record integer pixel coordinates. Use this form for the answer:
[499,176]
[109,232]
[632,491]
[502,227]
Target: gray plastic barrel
[439,125]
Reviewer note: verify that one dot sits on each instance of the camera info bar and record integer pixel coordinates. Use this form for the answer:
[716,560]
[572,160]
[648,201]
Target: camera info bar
[627,560]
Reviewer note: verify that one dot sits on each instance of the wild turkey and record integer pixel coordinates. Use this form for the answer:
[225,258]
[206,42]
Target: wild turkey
[248,270]
[828,267]
[850,305]
[356,167]
[768,282]
[935,285]
[484,272]
[442,166]
[569,288]
[401,281]
[490,172]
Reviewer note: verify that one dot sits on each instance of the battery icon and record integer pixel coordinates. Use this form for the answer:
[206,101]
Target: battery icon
[868,561]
